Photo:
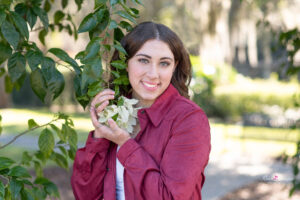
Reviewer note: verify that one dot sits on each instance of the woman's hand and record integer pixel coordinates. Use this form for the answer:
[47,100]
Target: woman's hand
[113,132]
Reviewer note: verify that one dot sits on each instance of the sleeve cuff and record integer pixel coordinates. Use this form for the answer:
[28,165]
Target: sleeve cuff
[126,150]
[95,145]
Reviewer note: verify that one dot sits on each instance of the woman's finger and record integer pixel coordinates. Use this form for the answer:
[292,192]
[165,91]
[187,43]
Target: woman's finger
[103,93]
[113,125]
[94,117]
[103,98]
[102,106]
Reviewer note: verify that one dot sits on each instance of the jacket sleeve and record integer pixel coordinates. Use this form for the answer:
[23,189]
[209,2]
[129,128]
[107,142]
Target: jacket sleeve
[89,169]
[182,165]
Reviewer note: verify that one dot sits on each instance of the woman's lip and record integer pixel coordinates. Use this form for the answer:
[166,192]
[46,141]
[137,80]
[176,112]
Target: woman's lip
[149,86]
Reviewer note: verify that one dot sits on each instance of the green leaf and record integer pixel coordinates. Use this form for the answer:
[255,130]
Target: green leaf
[139,2]
[72,138]
[125,25]
[31,17]
[54,79]
[120,48]
[2,190]
[60,160]
[135,11]
[92,49]
[119,64]
[125,15]
[2,71]
[58,16]
[64,3]
[2,16]
[20,24]
[38,169]
[78,3]
[100,14]
[63,150]
[5,52]
[16,66]
[80,55]
[21,9]
[27,182]
[47,6]
[19,171]
[8,84]
[131,11]
[88,23]
[91,72]
[5,2]
[114,2]
[42,15]
[50,187]
[10,34]
[38,84]
[34,58]
[103,18]
[118,34]
[26,158]
[80,94]
[56,129]
[61,54]
[15,187]
[19,83]
[63,133]
[46,142]
[123,80]
[5,162]
[99,3]
[115,117]
[42,35]
[112,25]
[26,195]
[32,124]
[115,73]
[72,153]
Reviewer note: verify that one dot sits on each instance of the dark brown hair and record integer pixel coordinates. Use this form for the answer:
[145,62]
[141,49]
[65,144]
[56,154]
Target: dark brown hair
[145,31]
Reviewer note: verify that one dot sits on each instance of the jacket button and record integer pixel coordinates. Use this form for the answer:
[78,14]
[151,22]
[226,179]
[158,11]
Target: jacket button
[107,169]
[143,111]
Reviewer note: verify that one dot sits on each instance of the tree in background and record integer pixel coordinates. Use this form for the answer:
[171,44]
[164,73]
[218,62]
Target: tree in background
[20,58]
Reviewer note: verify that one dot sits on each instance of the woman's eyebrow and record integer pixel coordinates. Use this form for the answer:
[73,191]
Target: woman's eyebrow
[167,58]
[144,55]
[163,58]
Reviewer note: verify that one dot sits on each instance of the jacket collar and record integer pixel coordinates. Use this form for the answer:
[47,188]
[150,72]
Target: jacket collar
[157,111]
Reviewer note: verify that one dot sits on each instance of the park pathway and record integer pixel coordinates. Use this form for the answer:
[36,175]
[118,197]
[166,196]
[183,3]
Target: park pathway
[231,165]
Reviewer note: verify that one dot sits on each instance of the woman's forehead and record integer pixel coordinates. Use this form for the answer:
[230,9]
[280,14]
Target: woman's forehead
[155,48]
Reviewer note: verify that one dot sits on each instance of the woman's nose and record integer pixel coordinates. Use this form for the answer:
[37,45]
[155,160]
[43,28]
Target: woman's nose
[153,72]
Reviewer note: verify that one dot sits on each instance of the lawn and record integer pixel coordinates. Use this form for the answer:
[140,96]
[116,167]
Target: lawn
[14,121]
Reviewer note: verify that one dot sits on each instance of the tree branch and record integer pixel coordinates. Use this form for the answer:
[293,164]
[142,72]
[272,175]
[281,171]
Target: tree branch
[23,133]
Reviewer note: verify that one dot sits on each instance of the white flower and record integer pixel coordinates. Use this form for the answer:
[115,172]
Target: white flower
[124,114]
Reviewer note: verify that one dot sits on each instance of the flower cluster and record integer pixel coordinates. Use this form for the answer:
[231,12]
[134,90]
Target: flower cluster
[124,114]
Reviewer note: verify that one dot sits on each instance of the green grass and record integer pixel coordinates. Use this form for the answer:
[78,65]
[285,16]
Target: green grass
[15,122]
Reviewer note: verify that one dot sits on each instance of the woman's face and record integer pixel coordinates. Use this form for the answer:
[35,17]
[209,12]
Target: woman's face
[150,71]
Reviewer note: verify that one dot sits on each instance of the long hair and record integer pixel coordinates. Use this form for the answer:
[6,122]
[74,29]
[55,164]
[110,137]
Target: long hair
[145,31]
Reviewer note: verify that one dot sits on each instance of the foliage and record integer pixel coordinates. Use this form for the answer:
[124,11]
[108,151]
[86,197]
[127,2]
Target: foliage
[18,19]
[291,39]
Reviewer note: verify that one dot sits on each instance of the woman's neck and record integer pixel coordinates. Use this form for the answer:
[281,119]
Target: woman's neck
[142,103]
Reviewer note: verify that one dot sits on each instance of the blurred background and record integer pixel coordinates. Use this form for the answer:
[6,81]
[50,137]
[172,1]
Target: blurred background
[240,79]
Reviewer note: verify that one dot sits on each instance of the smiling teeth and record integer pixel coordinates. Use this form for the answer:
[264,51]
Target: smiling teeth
[148,85]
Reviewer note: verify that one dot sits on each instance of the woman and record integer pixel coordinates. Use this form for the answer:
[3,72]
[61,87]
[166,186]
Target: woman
[166,156]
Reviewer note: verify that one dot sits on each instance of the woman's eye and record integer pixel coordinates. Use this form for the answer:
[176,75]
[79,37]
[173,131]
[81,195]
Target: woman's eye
[142,60]
[165,64]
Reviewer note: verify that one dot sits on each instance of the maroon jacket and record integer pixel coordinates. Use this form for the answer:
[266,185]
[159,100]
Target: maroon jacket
[166,160]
